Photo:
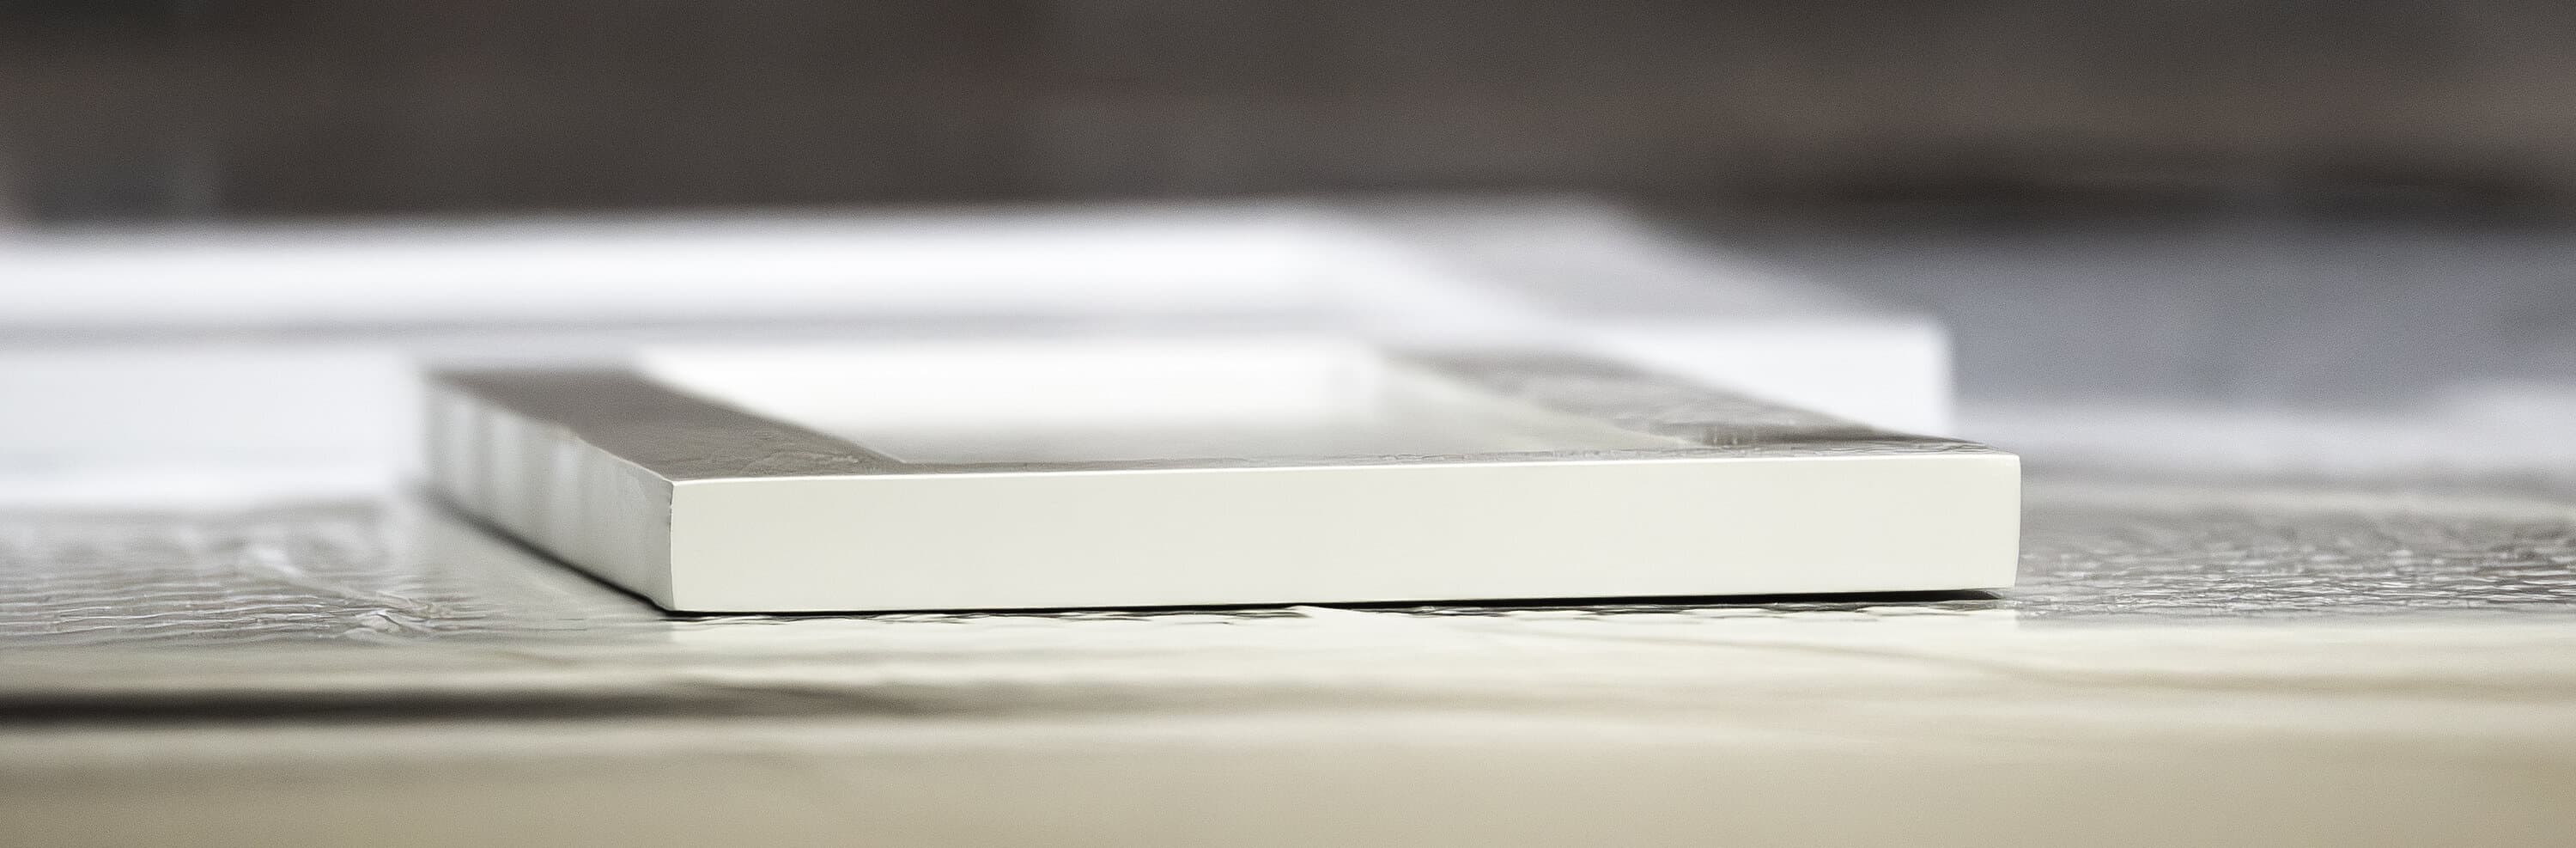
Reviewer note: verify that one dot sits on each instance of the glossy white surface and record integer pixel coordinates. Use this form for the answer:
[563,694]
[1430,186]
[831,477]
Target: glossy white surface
[1066,401]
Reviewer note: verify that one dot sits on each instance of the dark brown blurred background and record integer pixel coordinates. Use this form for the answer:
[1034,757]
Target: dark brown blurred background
[200,108]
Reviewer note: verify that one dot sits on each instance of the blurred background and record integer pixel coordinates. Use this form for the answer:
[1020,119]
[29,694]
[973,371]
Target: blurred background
[2230,209]
[121,109]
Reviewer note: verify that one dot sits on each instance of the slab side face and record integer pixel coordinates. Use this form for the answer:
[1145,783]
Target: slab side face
[540,481]
[1348,534]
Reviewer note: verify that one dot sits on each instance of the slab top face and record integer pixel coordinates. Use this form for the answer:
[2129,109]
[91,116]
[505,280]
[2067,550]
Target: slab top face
[953,474]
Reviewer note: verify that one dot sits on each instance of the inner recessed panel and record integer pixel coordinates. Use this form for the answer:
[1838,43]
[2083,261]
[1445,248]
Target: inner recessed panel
[1099,401]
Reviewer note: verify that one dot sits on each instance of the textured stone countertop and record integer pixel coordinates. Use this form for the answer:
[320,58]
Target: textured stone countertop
[2322,663]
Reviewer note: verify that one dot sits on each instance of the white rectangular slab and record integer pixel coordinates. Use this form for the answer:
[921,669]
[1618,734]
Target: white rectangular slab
[1040,475]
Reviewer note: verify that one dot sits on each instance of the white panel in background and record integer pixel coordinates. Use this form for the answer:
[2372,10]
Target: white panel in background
[1072,261]
[281,345]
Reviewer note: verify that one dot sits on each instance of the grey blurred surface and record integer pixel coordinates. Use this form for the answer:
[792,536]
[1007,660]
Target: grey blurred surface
[2402,349]
[2262,308]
